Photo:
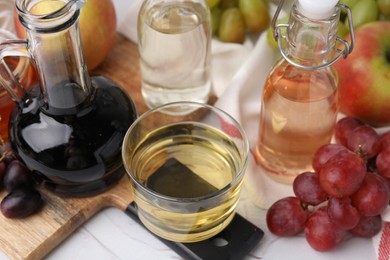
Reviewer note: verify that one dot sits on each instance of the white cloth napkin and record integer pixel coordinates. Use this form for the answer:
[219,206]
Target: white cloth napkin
[382,240]
[6,20]
[6,15]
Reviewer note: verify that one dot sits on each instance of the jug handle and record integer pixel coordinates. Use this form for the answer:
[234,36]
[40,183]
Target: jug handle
[12,48]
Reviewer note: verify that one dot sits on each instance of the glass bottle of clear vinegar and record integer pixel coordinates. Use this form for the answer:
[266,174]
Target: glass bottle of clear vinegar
[300,104]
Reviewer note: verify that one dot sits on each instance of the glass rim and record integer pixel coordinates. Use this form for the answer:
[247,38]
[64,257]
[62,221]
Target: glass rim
[237,178]
[53,21]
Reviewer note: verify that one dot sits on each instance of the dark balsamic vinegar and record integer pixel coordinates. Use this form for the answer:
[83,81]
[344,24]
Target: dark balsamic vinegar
[76,152]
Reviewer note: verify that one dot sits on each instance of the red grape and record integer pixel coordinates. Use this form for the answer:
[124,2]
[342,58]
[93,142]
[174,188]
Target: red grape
[372,197]
[321,233]
[388,185]
[383,162]
[342,213]
[324,153]
[385,140]
[342,175]
[307,188]
[286,217]
[368,226]
[364,141]
[388,182]
[352,176]
[21,203]
[343,128]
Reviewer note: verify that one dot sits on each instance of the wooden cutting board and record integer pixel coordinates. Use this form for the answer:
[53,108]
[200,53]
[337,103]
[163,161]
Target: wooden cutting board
[35,236]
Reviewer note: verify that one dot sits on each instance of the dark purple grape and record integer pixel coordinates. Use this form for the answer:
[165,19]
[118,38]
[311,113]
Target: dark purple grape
[21,203]
[3,167]
[16,176]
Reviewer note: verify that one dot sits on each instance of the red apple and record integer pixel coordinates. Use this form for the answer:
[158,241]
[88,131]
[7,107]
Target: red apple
[97,28]
[364,76]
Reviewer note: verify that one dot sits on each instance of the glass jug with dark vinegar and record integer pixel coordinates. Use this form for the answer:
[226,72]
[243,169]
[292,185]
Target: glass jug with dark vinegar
[69,128]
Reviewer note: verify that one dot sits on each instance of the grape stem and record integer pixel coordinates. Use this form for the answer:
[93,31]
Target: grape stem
[6,152]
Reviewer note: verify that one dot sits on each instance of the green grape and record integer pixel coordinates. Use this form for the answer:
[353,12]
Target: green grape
[255,14]
[212,3]
[385,17]
[343,29]
[349,3]
[384,7]
[232,27]
[226,4]
[364,11]
[270,32]
[216,14]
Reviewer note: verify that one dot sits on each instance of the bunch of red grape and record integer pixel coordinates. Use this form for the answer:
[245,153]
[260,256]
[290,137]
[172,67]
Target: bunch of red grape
[22,199]
[346,193]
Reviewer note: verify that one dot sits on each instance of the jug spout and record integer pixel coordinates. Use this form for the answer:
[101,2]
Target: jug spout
[7,77]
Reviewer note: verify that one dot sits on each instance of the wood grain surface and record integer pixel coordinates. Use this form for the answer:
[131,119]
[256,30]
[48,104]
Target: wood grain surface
[35,236]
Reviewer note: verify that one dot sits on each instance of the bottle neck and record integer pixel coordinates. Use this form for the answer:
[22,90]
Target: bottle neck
[311,42]
[55,46]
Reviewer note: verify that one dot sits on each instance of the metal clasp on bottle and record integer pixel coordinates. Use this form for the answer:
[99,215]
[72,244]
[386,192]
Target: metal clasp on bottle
[344,52]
